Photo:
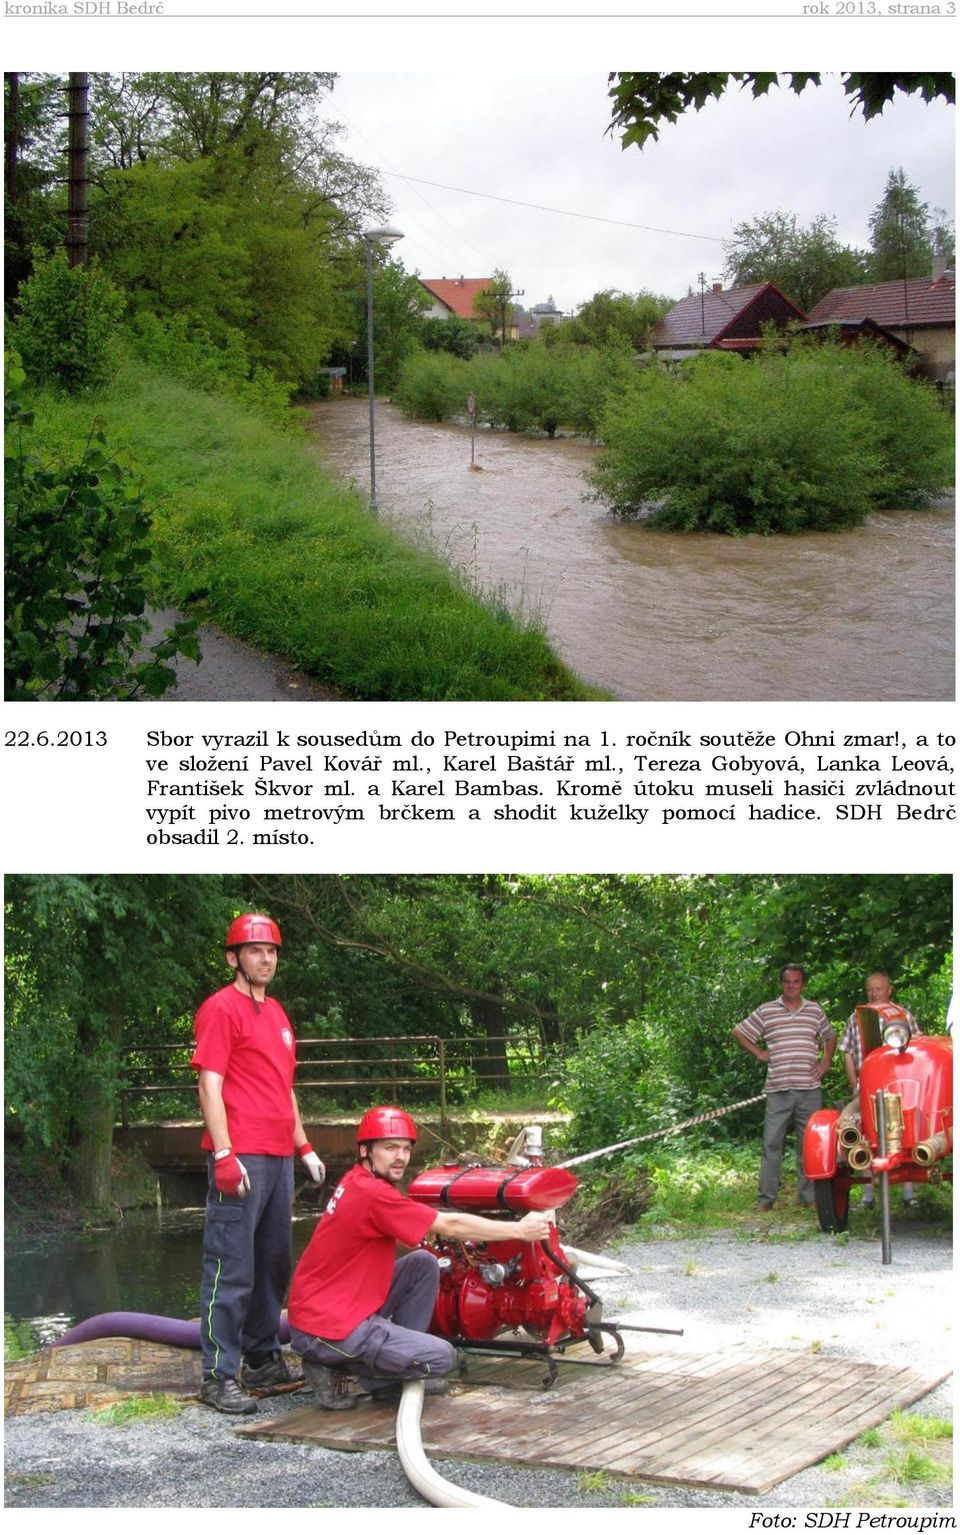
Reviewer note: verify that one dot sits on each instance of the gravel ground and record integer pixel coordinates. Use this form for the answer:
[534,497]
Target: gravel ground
[829,1295]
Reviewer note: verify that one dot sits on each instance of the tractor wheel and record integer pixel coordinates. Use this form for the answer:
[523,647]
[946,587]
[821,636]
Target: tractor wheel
[832,1199]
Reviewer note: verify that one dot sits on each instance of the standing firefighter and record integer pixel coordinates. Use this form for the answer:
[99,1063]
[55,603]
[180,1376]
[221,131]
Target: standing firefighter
[246,1056]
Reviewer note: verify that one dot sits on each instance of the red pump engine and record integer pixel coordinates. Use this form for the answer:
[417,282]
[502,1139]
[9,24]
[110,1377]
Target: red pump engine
[486,1287]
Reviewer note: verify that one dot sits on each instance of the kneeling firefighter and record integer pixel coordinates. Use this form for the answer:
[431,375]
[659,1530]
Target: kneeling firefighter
[353,1304]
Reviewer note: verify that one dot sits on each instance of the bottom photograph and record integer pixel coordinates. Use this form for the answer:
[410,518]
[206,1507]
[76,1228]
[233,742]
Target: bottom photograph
[478,1190]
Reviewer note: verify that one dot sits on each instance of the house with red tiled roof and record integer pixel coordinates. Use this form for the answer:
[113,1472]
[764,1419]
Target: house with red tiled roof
[920,313]
[457,296]
[725,319]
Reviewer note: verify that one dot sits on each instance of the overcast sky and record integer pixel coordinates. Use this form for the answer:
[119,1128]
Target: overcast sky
[540,139]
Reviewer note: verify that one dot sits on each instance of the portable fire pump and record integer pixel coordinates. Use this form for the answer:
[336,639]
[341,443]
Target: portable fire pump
[527,1289]
[898,1129]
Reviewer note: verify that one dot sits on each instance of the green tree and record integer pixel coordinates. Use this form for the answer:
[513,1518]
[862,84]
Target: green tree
[614,319]
[642,102]
[493,304]
[453,335]
[943,235]
[804,262]
[399,301]
[34,143]
[900,235]
[95,963]
[223,199]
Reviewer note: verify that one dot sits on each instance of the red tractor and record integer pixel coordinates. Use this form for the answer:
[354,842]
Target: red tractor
[898,1129]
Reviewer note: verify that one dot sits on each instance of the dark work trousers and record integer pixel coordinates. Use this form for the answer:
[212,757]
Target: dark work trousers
[790,1106]
[393,1344]
[247,1256]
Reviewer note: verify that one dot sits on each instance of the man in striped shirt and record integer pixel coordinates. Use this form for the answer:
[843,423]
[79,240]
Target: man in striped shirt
[795,1041]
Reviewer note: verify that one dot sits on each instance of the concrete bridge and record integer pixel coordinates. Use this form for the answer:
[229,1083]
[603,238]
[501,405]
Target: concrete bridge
[171,1147]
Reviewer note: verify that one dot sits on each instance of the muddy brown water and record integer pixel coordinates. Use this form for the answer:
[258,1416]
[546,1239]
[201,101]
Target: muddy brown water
[859,614]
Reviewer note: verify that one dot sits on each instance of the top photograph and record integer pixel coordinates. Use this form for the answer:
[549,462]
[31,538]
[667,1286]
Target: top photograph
[448,386]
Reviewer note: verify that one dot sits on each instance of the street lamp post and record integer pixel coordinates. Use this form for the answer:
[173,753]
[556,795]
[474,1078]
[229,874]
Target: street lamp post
[371,237]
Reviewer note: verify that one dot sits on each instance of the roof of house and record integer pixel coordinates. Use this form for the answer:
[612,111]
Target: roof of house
[687,324]
[458,293]
[866,326]
[925,302]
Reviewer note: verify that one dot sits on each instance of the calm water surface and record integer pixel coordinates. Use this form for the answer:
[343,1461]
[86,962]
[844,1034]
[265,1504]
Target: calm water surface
[150,1262]
[861,614]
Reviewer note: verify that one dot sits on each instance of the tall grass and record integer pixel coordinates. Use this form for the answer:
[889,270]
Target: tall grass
[280,553]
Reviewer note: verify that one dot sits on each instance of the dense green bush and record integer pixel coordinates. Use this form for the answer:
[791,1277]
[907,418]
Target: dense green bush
[432,386]
[549,388]
[76,557]
[915,433]
[813,437]
[536,388]
[187,351]
[66,326]
[459,337]
[530,389]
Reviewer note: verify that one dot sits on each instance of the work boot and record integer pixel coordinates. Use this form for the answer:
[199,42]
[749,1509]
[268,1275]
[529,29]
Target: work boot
[268,1376]
[223,1393]
[329,1387]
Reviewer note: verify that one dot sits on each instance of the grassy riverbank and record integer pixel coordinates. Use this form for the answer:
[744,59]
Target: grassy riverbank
[249,533]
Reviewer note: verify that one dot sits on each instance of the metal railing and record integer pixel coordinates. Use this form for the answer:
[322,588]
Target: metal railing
[415,1068]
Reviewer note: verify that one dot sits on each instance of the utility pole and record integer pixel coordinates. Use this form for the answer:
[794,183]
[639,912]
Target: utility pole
[78,149]
[13,136]
[702,280]
[502,300]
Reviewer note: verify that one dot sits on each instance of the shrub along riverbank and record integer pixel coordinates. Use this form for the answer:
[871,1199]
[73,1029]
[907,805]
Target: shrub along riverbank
[250,533]
[803,435]
[811,437]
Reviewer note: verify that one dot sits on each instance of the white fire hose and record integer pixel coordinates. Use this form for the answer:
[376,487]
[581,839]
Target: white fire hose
[428,1482]
[419,1472]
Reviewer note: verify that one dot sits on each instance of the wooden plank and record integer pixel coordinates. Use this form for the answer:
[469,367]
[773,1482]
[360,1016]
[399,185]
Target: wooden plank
[725,1419]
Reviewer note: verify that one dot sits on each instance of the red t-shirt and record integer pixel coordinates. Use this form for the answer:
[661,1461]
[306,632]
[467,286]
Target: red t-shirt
[255,1054]
[347,1269]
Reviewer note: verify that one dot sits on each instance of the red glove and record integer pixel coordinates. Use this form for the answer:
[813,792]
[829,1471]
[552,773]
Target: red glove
[230,1176]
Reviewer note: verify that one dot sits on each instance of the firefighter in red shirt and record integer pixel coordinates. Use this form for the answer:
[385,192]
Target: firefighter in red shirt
[246,1056]
[354,1304]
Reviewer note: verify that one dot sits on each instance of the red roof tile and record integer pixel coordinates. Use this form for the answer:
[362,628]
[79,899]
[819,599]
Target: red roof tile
[458,293]
[927,303]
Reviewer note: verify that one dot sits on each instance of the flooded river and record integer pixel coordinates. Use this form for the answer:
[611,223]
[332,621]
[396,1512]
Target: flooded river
[865,613]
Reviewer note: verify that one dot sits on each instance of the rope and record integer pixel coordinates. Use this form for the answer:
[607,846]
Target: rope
[657,1135]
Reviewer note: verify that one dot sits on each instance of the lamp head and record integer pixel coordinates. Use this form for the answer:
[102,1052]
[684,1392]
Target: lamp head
[384,236]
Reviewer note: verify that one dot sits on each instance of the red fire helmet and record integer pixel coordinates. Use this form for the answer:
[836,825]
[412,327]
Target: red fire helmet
[251,927]
[385,1123]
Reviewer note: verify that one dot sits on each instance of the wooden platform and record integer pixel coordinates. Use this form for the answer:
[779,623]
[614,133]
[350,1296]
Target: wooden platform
[96,1374]
[734,1420]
